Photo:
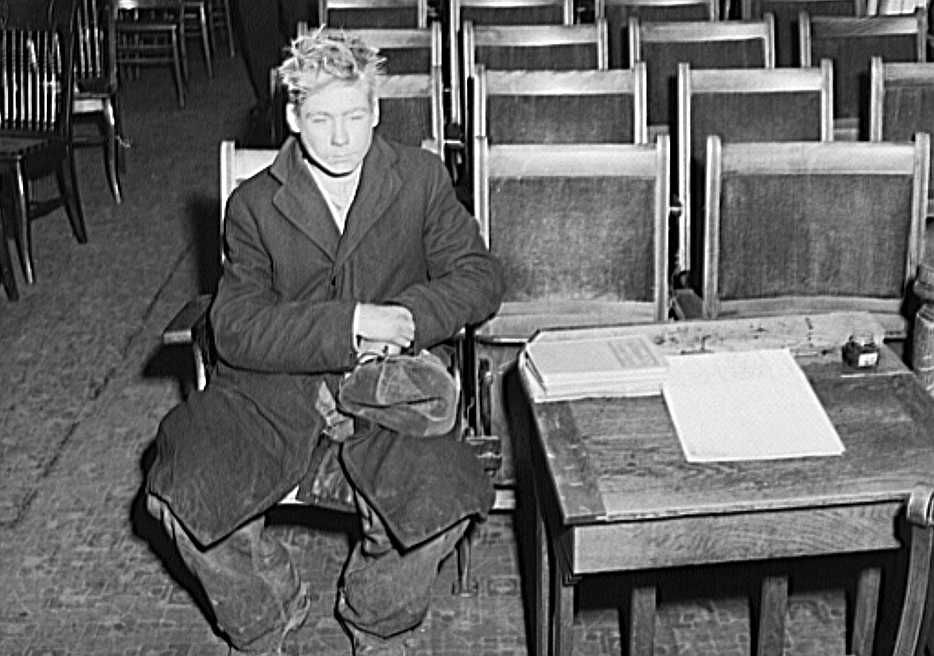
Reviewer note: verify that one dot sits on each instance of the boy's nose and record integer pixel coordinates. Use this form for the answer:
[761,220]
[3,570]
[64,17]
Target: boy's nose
[339,135]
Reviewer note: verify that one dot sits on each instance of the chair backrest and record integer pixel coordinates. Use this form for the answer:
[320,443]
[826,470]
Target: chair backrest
[96,52]
[407,50]
[601,106]
[237,165]
[702,44]
[36,78]
[618,12]
[852,42]
[743,104]
[356,14]
[786,13]
[901,103]
[410,108]
[849,236]
[581,229]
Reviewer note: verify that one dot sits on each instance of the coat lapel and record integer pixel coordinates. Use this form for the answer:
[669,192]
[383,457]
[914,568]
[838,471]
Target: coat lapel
[379,184]
[300,200]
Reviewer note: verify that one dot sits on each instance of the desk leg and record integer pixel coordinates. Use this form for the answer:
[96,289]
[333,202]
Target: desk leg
[642,621]
[562,619]
[864,615]
[773,602]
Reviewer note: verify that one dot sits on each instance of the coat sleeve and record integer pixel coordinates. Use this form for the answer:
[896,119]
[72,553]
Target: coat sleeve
[465,281]
[254,328]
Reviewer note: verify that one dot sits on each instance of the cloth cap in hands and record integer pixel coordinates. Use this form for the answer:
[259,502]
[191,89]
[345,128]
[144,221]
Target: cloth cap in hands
[410,394]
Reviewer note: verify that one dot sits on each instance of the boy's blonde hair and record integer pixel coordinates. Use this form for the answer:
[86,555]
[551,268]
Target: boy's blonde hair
[315,60]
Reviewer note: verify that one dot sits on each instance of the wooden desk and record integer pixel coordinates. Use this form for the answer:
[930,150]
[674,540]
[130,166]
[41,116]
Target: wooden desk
[615,493]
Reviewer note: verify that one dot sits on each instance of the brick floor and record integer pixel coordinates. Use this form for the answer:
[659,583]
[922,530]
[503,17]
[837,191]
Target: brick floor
[84,382]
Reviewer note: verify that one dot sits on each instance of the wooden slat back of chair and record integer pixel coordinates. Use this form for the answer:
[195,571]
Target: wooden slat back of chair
[411,109]
[356,14]
[581,230]
[743,104]
[237,165]
[581,106]
[618,12]
[852,42]
[850,235]
[34,88]
[407,50]
[96,52]
[722,44]
[901,103]
[535,47]
[787,12]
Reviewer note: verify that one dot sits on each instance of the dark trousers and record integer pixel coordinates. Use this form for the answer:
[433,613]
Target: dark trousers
[265,29]
[257,596]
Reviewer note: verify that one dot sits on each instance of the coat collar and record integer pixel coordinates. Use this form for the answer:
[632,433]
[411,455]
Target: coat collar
[301,202]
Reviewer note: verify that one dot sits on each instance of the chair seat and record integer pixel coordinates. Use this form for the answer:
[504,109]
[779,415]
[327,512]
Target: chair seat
[94,85]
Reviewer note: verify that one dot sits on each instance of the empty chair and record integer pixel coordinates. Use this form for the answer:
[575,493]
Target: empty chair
[523,106]
[37,78]
[96,85]
[618,12]
[850,43]
[530,47]
[220,19]
[356,14]
[152,33]
[743,104]
[702,44]
[850,237]
[786,14]
[197,26]
[901,103]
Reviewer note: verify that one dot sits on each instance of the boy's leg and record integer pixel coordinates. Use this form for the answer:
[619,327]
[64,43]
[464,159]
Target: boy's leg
[248,577]
[385,592]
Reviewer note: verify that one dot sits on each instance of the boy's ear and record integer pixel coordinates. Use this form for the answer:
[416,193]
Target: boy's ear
[375,121]
[291,117]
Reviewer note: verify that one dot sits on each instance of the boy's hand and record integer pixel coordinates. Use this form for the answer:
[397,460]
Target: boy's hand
[391,324]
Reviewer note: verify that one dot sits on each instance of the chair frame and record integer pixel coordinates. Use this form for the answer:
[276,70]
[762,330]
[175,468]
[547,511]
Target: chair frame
[559,83]
[421,7]
[580,160]
[744,80]
[850,26]
[702,31]
[815,158]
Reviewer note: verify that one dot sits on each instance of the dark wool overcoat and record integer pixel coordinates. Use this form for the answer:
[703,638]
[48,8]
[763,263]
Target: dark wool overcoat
[282,322]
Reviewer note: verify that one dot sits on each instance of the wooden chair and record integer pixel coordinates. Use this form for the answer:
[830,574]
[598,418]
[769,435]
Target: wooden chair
[582,233]
[618,12]
[786,14]
[702,44]
[455,13]
[37,76]
[197,26]
[529,47]
[850,236]
[220,18]
[357,14]
[743,104]
[410,110]
[96,84]
[851,43]
[152,33]
[590,106]
[901,103]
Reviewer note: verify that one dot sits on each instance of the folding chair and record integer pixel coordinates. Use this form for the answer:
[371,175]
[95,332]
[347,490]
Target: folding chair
[901,103]
[703,44]
[743,104]
[850,236]
[850,43]
[618,12]
[786,13]
[560,106]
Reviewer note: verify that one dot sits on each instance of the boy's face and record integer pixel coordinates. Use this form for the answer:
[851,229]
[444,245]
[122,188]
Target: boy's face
[335,123]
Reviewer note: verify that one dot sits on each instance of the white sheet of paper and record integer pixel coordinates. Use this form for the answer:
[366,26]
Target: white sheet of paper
[749,405]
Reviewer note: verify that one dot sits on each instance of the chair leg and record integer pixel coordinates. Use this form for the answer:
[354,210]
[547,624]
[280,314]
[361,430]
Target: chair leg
[177,63]
[228,24]
[183,51]
[205,38]
[110,149]
[21,231]
[465,585]
[71,197]
[7,276]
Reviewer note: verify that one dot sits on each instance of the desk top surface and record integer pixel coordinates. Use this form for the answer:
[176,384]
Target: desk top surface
[617,460]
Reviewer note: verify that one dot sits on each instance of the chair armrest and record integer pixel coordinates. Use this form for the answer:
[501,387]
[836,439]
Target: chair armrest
[181,329]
